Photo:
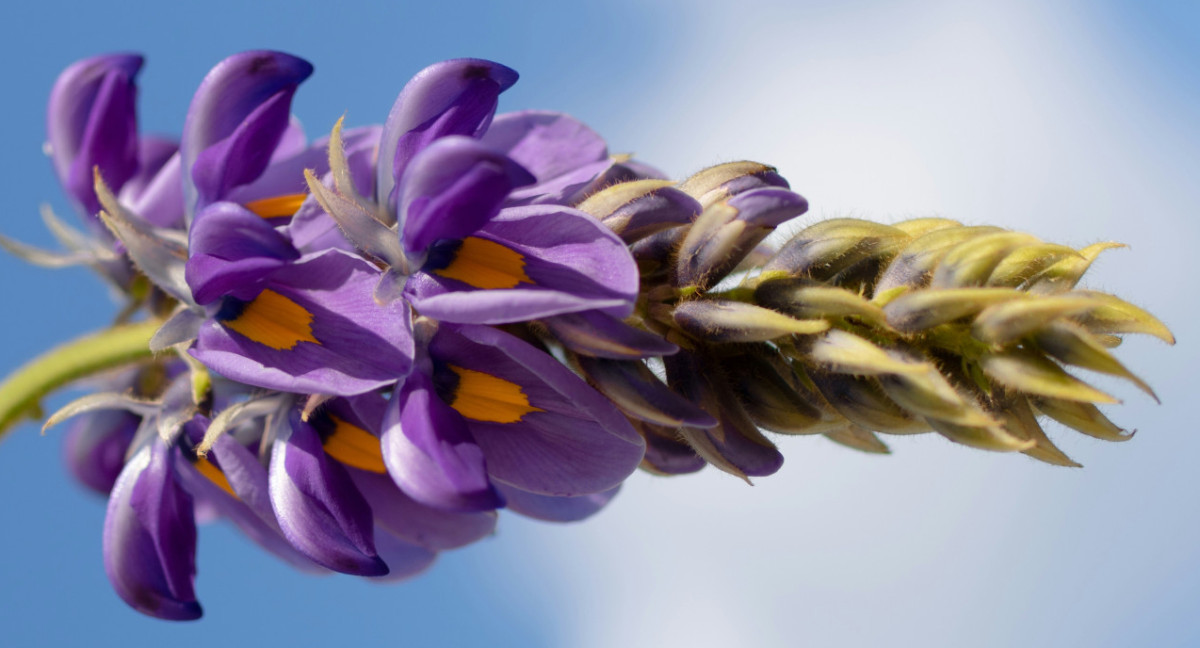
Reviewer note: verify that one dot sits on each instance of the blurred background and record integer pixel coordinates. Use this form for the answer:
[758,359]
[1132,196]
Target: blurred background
[1075,121]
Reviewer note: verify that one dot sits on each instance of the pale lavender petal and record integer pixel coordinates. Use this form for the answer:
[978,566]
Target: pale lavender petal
[404,559]
[160,202]
[572,262]
[312,229]
[572,442]
[548,144]
[556,509]
[361,345]
[415,523]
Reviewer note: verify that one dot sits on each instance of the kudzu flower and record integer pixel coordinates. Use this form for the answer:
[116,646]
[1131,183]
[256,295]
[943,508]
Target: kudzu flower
[371,342]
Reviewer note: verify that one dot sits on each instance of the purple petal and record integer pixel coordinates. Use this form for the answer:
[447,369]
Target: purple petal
[407,519]
[311,229]
[666,453]
[574,442]
[548,144]
[95,446]
[735,445]
[453,187]
[726,232]
[595,334]
[361,345]
[404,559]
[556,509]
[640,394]
[251,510]
[92,122]
[560,151]
[570,261]
[430,454]
[153,154]
[150,537]
[318,507]
[233,252]
[455,97]
[241,108]
[160,201]
[635,210]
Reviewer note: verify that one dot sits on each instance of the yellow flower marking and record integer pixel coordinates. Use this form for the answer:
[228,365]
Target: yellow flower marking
[354,446]
[277,206]
[274,320]
[214,475]
[486,264]
[484,397]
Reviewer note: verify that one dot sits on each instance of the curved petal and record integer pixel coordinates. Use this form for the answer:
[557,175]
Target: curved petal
[349,345]
[455,97]
[249,506]
[91,122]
[232,251]
[556,509]
[548,144]
[567,440]
[409,520]
[528,263]
[95,446]
[429,451]
[404,559]
[242,108]
[452,188]
[150,537]
[320,511]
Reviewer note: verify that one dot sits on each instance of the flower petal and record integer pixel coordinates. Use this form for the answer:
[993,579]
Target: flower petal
[528,263]
[429,451]
[150,537]
[91,123]
[95,446]
[241,107]
[318,507]
[233,251]
[455,97]
[556,509]
[407,519]
[571,441]
[451,188]
[349,345]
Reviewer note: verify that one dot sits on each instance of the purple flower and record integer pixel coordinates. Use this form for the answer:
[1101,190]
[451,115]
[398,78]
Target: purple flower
[486,413]
[440,220]
[150,536]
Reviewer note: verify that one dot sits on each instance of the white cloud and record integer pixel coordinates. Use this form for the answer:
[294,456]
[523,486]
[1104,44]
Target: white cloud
[1012,115]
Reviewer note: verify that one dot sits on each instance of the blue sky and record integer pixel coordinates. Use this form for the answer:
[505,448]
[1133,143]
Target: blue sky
[1074,122]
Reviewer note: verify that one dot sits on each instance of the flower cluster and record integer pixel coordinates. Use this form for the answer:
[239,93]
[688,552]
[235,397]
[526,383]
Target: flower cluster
[366,345]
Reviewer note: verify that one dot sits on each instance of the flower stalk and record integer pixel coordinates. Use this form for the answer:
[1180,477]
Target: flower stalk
[21,392]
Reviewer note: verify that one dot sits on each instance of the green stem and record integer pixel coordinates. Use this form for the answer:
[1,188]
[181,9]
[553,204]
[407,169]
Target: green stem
[21,393]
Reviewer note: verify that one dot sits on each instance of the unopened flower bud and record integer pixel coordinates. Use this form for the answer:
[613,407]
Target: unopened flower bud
[729,230]
[635,210]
